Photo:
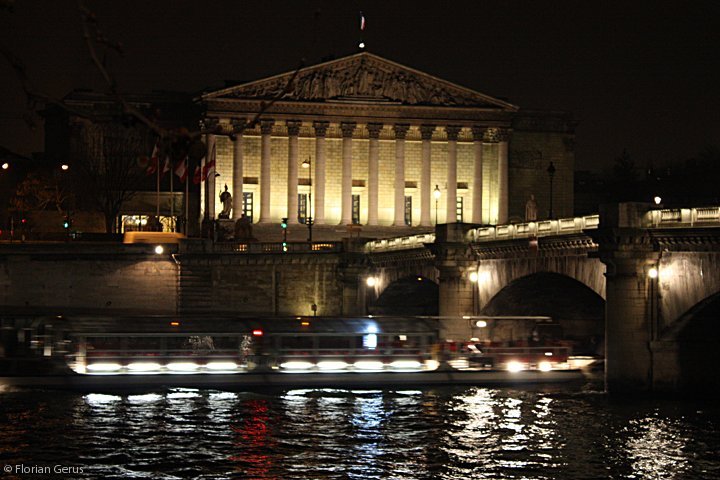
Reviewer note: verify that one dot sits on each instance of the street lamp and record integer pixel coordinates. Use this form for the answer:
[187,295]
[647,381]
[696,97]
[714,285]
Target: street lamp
[436,194]
[309,220]
[551,174]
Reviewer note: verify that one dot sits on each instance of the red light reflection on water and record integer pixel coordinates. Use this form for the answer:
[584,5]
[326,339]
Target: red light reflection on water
[253,438]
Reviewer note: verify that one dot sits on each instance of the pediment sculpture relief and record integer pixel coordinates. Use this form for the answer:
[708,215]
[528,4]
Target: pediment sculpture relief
[362,78]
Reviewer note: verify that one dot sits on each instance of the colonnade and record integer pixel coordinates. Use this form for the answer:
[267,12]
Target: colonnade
[348,130]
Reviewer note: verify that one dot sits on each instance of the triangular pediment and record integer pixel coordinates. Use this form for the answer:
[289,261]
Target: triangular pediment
[362,77]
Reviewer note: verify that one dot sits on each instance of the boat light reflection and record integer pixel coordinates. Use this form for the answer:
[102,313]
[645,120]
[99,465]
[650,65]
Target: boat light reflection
[143,366]
[369,365]
[221,366]
[104,367]
[406,364]
[515,366]
[296,365]
[183,366]
[545,366]
[332,365]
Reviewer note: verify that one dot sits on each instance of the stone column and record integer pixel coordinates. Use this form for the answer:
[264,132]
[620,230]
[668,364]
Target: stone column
[238,168]
[373,169]
[210,182]
[400,133]
[451,206]
[426,132]
[266,127]
[293,127]
[347,131]
[503,138]
[319,190]
[477,192]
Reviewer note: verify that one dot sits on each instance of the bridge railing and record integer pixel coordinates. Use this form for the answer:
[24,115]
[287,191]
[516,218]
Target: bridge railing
[276,247]
[400,243]
[683,217]
[540,228]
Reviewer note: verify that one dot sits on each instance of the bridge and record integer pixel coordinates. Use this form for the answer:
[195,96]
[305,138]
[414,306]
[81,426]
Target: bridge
[648,281]
[645,281]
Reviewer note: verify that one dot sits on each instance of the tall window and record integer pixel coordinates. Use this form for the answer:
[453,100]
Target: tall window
[459,210]
[408,210]
[302,212]
[248,205]
[356,209]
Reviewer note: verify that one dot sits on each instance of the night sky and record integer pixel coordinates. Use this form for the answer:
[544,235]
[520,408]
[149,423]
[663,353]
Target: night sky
[641,76]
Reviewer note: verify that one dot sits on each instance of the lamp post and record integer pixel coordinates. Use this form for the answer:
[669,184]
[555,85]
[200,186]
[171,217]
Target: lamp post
[436,194]
[309,220]
[551,174]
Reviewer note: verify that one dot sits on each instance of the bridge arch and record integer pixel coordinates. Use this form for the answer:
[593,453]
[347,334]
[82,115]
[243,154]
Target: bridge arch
[686,280]
[576,307]
[495,274]
[410,295]
[692,339]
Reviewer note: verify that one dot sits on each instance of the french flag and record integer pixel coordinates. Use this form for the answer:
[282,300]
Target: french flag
[181,170]
[362,22]
[209,165]
[154,160]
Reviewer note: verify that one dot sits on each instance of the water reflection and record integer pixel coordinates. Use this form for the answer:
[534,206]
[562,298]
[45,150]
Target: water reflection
[656,447]
[443,433]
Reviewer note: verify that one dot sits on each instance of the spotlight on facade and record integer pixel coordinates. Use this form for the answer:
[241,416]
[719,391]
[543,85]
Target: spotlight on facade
[159,249]
[657,200]
[653,272]
[371,281]
[473,277]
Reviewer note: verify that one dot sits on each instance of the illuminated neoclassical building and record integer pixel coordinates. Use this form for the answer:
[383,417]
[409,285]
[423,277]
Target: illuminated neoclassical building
[386,145]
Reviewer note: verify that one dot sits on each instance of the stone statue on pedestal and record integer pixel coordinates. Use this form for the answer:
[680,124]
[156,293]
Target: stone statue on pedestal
[531,209]
[226,199]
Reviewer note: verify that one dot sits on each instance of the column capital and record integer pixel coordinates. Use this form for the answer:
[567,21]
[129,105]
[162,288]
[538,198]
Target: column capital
[238,125]
[320,127]
[209,125]
[401,130]
[497,134]
[426,131]
[266,126]
[452,132]
[347,129]
[374,129]
[478,133]
[293,127]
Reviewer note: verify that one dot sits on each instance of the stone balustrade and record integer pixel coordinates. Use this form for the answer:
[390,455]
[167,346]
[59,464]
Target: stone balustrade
[682,217]
[533,229]
[399,243]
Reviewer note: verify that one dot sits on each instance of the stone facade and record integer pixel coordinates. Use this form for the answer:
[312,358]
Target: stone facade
[392,135]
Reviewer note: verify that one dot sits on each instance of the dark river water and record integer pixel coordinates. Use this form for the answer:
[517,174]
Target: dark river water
[438,433]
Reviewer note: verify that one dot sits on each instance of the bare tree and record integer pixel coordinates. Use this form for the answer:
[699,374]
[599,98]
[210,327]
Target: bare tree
[105,165]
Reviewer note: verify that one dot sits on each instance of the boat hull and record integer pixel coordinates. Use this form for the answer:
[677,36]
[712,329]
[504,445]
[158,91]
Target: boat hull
[240,381]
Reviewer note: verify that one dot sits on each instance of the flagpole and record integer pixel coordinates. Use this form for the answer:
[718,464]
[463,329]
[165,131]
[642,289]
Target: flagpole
[172,197]
[187,195]
[157,192]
